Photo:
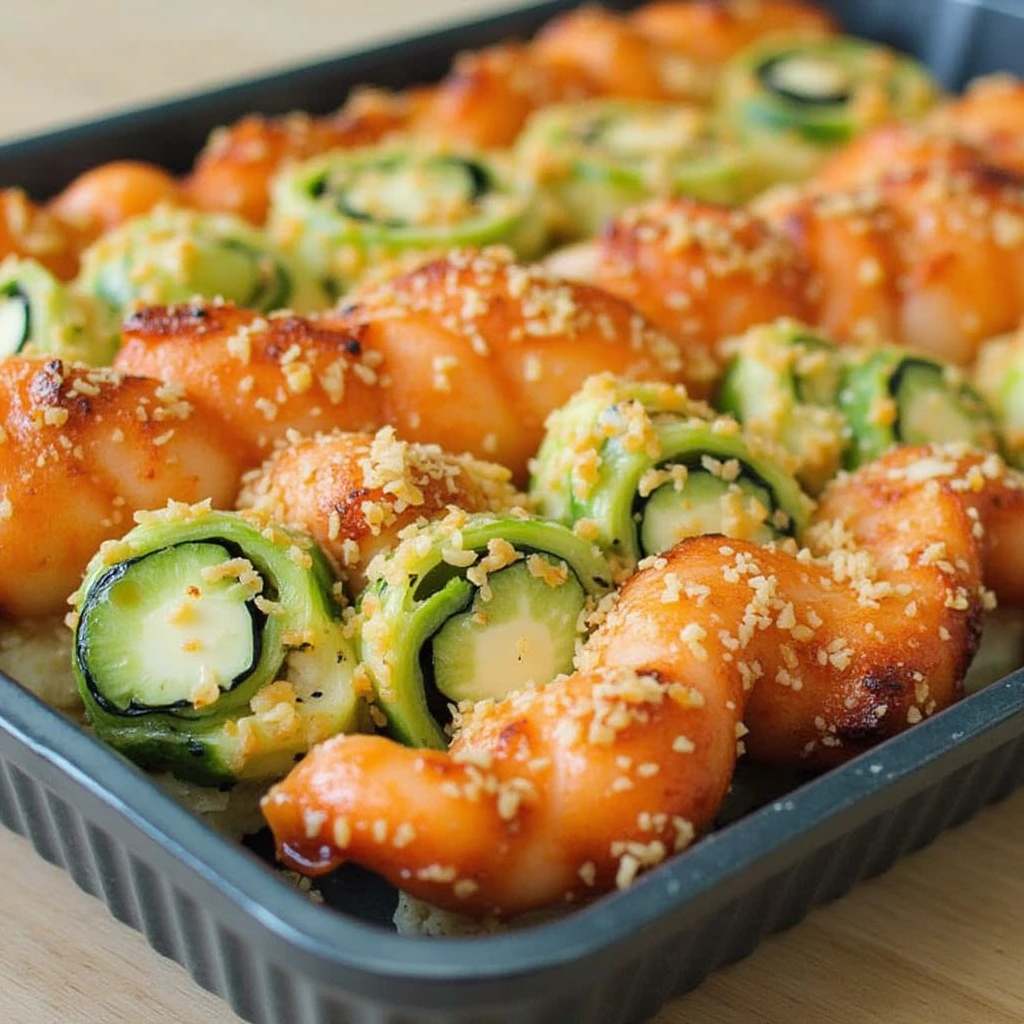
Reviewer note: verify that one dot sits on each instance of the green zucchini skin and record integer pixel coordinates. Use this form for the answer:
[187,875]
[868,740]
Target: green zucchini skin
[782,384]
[40,315]
[349,211]
[615,443]
[794,99]
[172,255]
[595,158]
[999,379]
[892,396]
[417,590]
[297,690]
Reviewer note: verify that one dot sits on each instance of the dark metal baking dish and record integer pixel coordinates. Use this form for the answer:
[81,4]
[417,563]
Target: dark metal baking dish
[215,906]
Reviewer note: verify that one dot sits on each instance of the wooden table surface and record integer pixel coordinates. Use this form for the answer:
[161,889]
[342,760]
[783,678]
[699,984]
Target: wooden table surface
[938,940]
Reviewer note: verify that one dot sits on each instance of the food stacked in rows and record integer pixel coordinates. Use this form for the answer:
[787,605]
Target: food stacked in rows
[485,468]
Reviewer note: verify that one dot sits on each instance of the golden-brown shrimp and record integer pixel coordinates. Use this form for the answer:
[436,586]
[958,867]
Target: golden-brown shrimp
[29,231]
[701,273]
[990,114]
[479,349]
[112,193]
[488,95]
[933,259]
[618,60]
[712,31]
[81,449]
[263,376]
[354,493]
[234,170]
[566,791]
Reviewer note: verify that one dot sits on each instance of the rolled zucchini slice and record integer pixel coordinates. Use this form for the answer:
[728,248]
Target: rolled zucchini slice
[173,255]
[782,384]
[795,99]
[341,213]
[470,608]
[209,644]
[638,468]
[38,315]
[999,378]
[596,158]
[891,396]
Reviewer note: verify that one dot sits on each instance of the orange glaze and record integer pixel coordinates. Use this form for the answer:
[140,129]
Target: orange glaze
[487,97]
[234,170]
[712,31]
[566,791]
[479,349]
[81,449]
[933,259]
[112,193]
[990,114]
[354,493]
[701,273]
[29,231]
[617,59]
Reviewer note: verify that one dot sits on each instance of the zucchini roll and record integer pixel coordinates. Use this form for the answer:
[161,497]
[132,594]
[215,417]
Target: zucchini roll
[999,377]
[209,644]
[39,315]
[598,157]
[175,255]
[795,99]
[473,607]
[347,211]
[782,384]
[891,396]
[356,493]
[639,467]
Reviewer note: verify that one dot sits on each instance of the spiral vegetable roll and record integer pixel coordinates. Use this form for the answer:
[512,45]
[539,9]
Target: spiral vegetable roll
[639,467]
[175,255]
[891,396]
[344,212]
[999,377]
[473,607]
[208,643]
[782,384]
[38,315]
[795,99]
[596,158]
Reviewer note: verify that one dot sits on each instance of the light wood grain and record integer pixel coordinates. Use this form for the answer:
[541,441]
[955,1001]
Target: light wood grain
[939,940]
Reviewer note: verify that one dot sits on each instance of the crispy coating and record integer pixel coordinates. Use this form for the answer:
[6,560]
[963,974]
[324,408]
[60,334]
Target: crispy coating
[30,231]
[356,492]
[112,193]
[81,449]
[569,790]
[712,31]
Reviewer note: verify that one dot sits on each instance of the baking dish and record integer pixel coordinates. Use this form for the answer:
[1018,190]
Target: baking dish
[276,957]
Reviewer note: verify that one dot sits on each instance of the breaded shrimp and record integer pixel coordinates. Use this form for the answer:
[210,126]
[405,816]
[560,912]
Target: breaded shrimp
[479,349]
[563,792]
[486,98]
[233,172]
[699,272]
[30,231]
[618,60]
[712,31]
[354,493]
[990,114]
[112,193]
[933,259]
[81,449]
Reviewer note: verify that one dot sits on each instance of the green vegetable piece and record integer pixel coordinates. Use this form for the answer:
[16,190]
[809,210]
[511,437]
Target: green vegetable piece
[796,99]
[209,644]
[39,315]
[595,158]
[782,384]
[471,611]
[999,378]
[893,397]
[638,467]
[348,211]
